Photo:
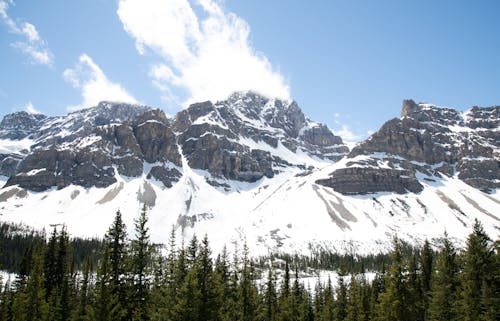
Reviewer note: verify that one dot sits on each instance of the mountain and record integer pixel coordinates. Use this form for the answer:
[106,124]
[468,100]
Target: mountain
[255,169]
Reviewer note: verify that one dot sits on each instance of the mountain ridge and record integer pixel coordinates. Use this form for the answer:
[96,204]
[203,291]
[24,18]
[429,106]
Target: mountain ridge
[259,168]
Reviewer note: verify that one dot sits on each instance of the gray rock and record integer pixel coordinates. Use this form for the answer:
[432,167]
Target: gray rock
[356,180]
[167,176]
[428,139]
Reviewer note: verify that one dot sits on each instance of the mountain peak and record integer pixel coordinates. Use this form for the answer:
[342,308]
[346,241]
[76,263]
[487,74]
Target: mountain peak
[409,106]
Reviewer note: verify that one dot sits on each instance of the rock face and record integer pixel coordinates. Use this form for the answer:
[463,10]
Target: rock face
[233,139]
[429,140]
[244,138]
[20,125]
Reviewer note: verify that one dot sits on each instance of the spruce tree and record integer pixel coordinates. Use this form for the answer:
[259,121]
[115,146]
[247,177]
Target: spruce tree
[478,276]
[393,304]
[444,285]
[141,262]
[29,302]
[416,299]
[114,273]
[270,296]
[248,294]
[328,311]
[285,304]
[6,299]
[341,297]
[84,310]
[222,279]
[426,267]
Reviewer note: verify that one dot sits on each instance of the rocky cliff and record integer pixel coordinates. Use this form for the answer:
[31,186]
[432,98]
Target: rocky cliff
[256,170]
[244,138]
[425,143]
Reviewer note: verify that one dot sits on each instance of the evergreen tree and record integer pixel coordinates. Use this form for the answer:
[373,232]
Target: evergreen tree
[206,282]
[318,302]
[394,301]
[426,263]
[141,262]
[341,294]
[358,309]
[426,267]
[50,268]
[270,297]
[103,288]
[285,304]
[113,274]
[444,285]
[84,310]
[416,300]
[29,302]
[223,290]
[328,311]
[6,299]
[478,276]
[248,295]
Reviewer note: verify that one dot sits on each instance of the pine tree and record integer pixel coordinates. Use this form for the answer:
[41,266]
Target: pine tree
[188,298]
[358,296]
[478,276]
[64,292]
[353,311]
[222,289]
[426,266]
[328,311]
[376,289]
[318,302]
[444,285]
[270,297]
[29,302]
[248,301]
[285,304]
[6,299]
[341,294]
[104,298]
[50,268]
[84,311]
[394,301]
[113,264]
[141,262]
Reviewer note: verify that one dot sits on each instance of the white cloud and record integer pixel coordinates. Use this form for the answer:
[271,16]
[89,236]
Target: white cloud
[31,109]
[94,85]
[33,45]
[347,134]
[206,52]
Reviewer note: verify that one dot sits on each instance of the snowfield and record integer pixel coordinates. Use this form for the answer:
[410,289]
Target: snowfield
[288,213]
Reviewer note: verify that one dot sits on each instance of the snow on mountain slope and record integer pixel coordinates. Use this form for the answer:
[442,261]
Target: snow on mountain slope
[257,170]
[289,212]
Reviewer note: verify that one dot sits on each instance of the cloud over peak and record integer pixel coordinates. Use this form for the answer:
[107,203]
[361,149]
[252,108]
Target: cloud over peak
[95,86]
[205,52]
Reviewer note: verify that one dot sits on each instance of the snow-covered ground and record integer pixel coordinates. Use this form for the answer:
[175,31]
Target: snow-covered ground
[287,213]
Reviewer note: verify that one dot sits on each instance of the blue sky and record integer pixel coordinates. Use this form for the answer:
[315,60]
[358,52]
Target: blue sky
[348,64]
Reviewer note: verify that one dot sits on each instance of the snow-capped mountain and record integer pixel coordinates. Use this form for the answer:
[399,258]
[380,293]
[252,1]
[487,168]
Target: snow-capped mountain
[254,168]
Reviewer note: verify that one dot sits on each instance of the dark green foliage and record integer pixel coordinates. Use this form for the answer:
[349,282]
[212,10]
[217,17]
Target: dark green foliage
[16,241]
[479,278]
[444,286]
[134,280]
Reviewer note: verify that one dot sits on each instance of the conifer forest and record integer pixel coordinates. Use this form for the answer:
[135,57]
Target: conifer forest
[127,277]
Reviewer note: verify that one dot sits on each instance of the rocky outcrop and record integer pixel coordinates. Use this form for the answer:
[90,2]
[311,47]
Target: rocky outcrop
[358,180]
[241,138]
[229,138]
[97,142]
[430,140]
[19,125]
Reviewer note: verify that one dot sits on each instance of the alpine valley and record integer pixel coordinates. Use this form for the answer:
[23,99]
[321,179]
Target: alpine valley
[255,169]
